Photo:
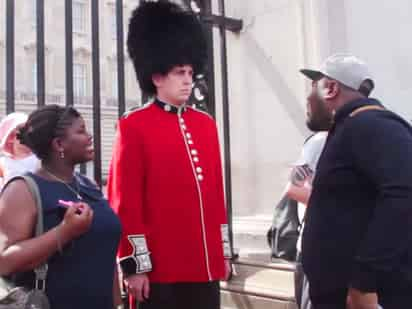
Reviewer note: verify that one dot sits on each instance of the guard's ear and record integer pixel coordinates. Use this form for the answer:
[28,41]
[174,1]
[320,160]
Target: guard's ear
[157,80]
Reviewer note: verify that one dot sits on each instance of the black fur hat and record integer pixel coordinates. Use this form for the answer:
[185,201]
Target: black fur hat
[161,36]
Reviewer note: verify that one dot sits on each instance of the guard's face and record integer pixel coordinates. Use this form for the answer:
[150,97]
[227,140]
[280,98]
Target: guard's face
[176,86]
[319,118]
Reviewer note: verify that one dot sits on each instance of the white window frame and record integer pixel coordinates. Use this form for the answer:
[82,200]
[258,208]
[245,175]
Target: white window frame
[79,17]
[32,12]
[33,80]
[115,82]
[113,24]
[2,67]
[80,86]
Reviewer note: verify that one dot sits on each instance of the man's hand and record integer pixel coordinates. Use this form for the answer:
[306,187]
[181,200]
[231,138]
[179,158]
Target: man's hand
[361,300]
[300,175]
[138,286]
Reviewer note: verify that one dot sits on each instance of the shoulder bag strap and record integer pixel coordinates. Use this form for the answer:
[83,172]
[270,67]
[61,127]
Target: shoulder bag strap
[366,108]
[41,270]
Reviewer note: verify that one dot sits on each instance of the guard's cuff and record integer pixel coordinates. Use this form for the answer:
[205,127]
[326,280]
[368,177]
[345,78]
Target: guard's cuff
[139,261]
[363,279]
[227,250]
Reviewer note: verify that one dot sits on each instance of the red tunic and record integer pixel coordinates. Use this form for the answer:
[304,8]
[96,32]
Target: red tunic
[165,183]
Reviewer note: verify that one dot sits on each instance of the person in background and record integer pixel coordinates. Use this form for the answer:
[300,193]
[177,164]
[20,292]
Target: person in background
[16,158]
[299,189]
[81,234]
[165,180]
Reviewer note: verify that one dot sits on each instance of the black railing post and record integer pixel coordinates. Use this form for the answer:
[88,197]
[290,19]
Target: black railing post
[210,76]
[96,92]
[10,56]
[226,123]
[40,65]
[120,58]
[69,51]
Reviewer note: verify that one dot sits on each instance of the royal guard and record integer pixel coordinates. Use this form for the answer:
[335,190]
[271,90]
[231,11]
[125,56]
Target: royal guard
[165,179]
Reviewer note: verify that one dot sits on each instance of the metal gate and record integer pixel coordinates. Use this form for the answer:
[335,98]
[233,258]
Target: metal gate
[204,85]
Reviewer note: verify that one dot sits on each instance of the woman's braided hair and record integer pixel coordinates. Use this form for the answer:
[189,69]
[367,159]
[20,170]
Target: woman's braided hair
[45,124]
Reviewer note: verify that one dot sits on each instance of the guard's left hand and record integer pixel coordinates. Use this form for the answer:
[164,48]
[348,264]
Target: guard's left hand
[361,300]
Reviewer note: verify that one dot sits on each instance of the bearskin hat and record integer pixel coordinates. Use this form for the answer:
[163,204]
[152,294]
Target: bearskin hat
[161,36]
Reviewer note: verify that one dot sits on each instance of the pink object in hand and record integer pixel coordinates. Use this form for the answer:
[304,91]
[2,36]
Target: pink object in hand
[67,204]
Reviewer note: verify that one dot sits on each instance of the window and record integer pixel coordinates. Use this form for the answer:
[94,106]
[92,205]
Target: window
[113,25]
[114,82]
[79,80]
[79,17]
[2,68]
[32,12]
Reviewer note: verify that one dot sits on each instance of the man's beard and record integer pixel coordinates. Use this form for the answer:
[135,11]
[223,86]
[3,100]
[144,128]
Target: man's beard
[320,118]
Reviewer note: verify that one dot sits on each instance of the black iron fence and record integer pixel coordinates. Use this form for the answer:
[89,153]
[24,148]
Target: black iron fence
[205,84]
[40,95]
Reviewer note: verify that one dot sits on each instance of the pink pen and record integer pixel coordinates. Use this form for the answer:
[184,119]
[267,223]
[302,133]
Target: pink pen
[67,204]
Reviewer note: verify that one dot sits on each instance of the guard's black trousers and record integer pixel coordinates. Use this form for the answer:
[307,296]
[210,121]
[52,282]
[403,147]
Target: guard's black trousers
[183,296]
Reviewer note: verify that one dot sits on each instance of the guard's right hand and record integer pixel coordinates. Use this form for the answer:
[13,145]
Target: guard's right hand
[138,285]
[77,220]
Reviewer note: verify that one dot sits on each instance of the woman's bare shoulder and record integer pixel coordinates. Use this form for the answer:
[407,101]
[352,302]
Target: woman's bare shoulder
[17,195]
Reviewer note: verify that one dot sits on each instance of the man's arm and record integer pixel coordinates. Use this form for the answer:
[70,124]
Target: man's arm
[381,149]
[299,186]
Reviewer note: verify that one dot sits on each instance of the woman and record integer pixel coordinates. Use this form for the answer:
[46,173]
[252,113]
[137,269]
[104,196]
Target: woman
[16,159]
[80,240]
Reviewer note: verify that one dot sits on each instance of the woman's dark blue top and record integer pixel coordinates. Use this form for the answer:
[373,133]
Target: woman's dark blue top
[81,277]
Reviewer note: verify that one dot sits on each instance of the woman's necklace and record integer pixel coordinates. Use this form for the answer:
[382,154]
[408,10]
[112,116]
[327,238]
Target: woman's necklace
[76,193]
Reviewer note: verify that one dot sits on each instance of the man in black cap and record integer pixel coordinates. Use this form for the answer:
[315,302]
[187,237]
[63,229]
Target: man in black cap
[357,241]
[165,180]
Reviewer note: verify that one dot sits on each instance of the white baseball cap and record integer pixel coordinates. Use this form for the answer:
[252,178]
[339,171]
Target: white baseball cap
[7,125]
[346,69]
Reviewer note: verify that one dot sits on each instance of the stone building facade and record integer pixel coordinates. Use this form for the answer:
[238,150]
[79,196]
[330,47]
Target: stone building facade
[25,61]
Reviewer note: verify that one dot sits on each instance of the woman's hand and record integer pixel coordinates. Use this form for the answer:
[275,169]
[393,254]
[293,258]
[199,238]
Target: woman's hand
[76,221]
[19,250]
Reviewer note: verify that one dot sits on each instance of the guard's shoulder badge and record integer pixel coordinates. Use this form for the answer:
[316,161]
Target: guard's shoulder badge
[201,111]
[135,109]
